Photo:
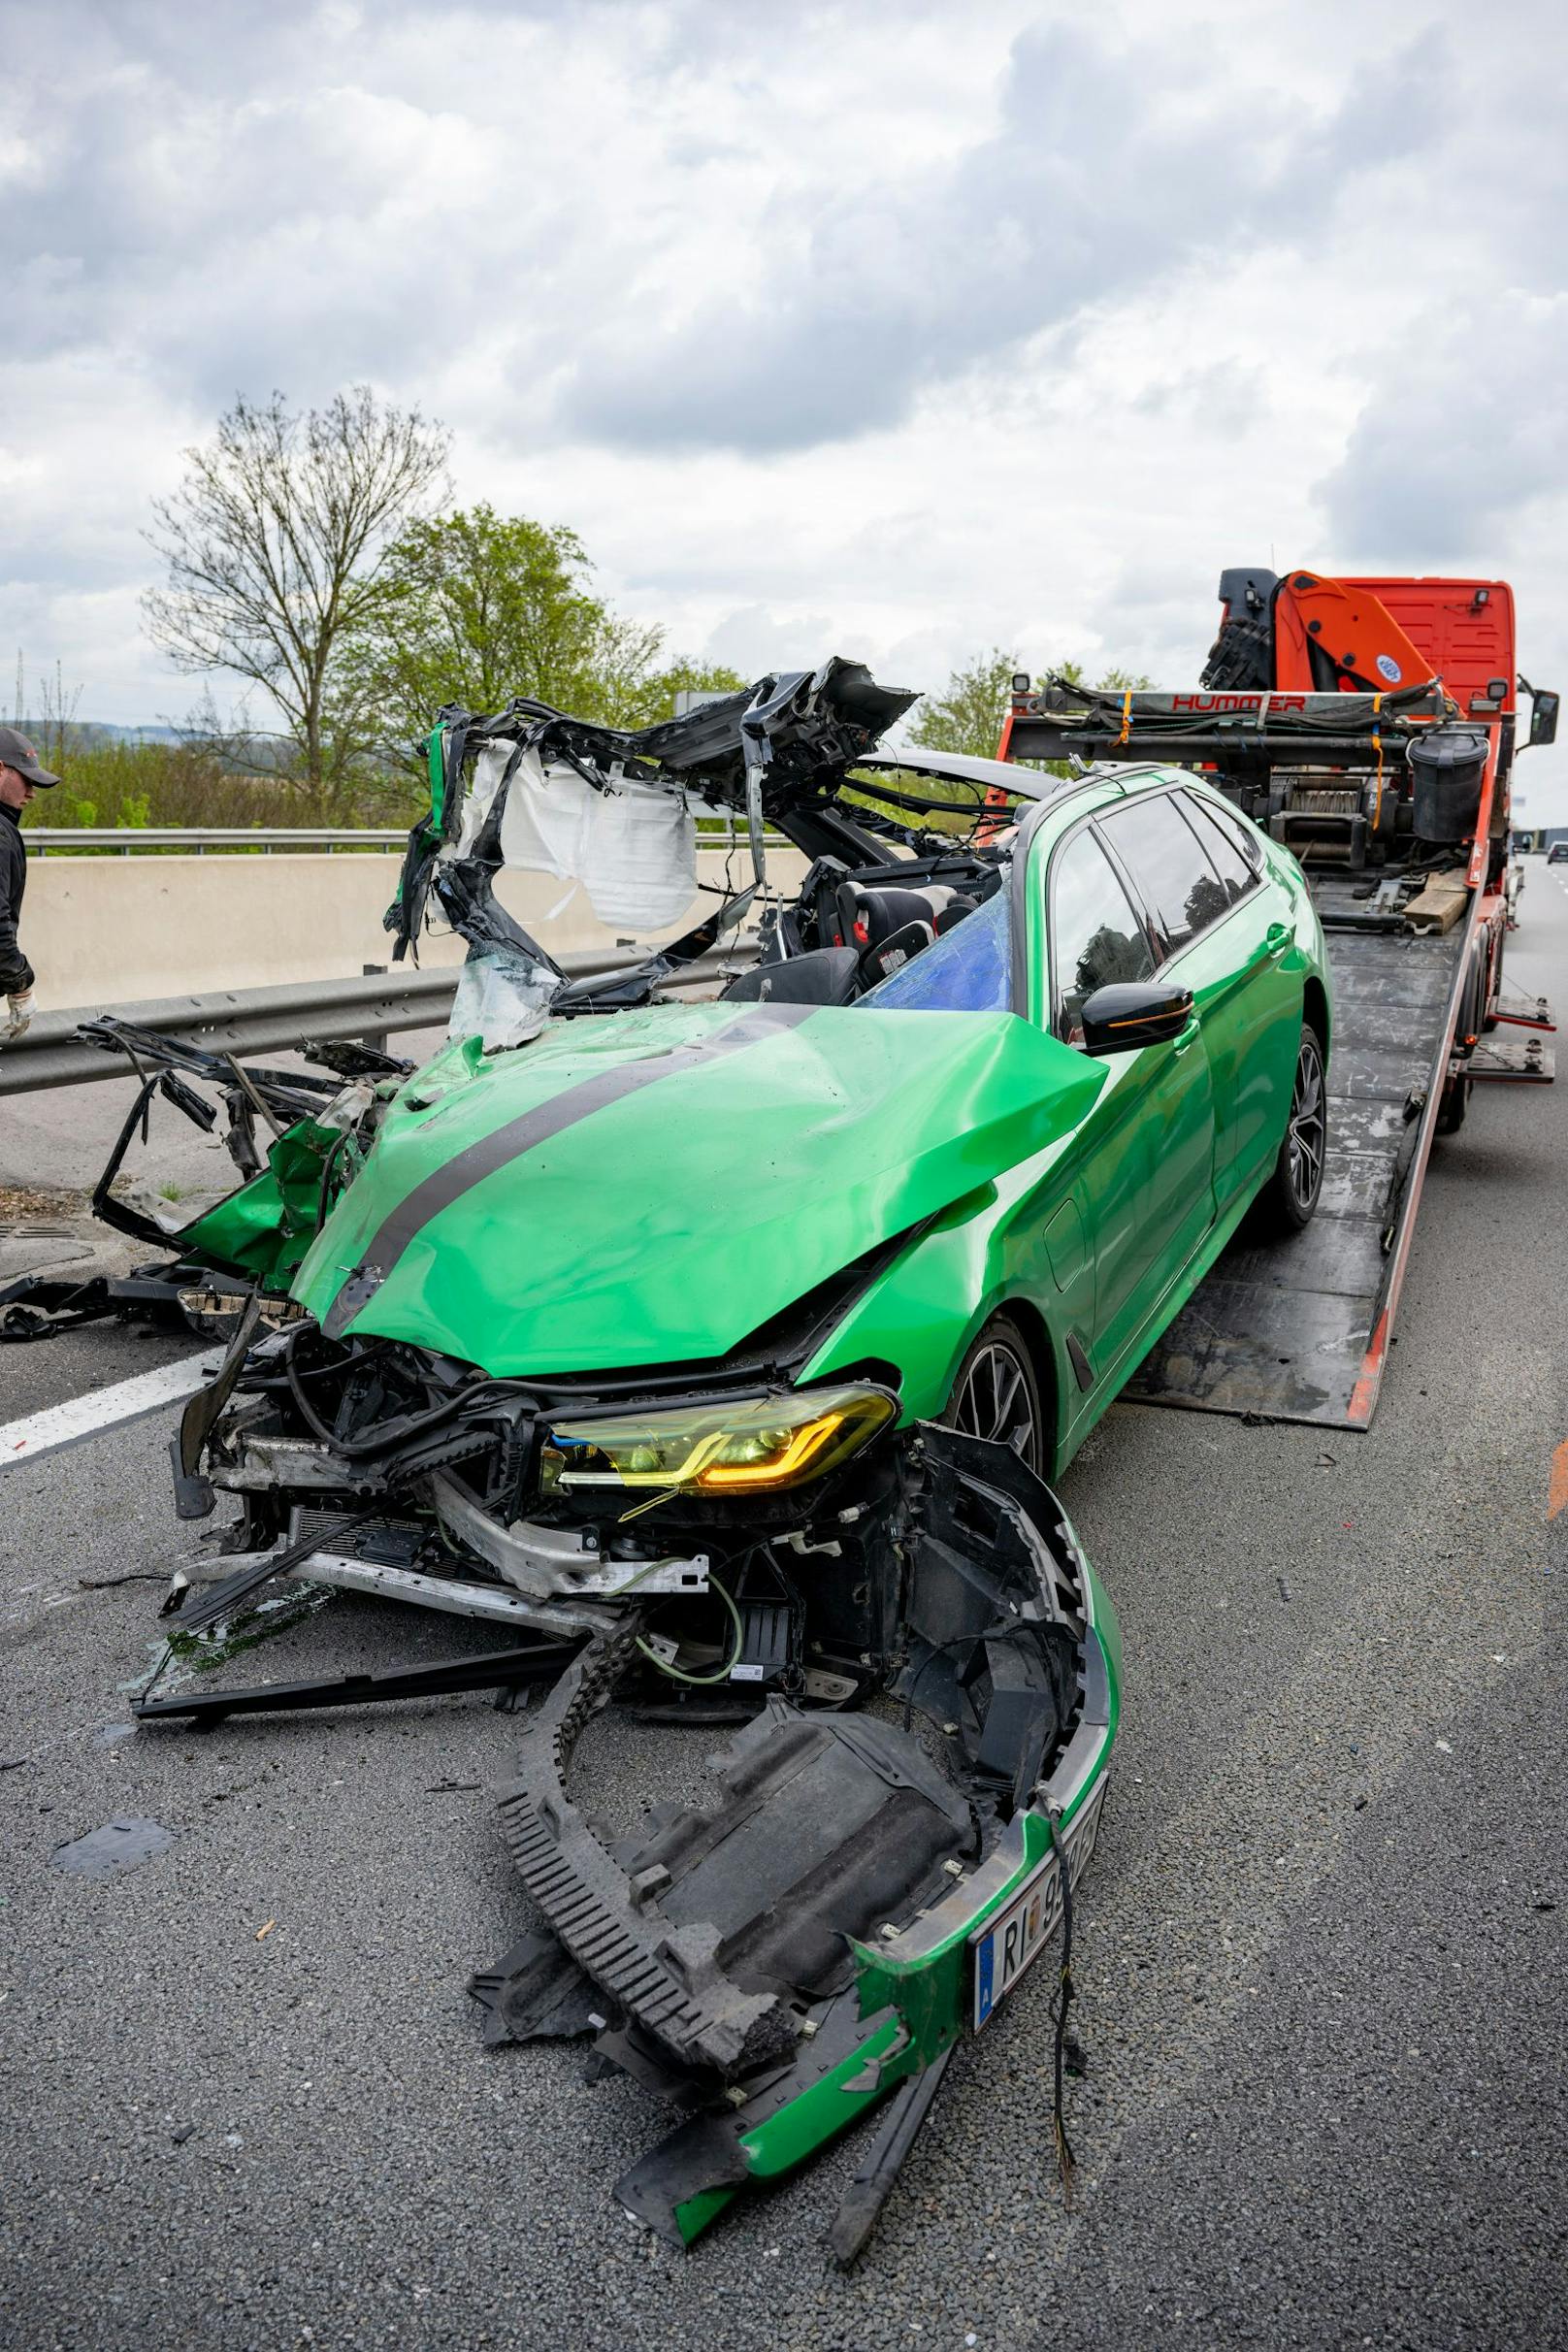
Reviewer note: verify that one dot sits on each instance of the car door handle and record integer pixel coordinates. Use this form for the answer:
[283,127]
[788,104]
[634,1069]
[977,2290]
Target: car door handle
[1277,939]
[1186,1037]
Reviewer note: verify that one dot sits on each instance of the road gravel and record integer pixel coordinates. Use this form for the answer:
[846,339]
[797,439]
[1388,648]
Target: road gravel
[1321,1947]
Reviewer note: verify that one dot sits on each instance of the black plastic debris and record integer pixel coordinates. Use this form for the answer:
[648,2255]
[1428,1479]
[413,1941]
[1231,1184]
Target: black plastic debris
[121,1846]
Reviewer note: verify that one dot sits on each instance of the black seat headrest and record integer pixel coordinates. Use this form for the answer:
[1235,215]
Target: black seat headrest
[874,915]
[957,908]
[826,975]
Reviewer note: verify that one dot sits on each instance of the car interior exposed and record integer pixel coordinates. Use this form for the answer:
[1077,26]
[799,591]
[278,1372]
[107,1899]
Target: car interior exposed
[904,849]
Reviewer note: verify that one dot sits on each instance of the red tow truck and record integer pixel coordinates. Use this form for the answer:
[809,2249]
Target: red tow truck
[1371,727]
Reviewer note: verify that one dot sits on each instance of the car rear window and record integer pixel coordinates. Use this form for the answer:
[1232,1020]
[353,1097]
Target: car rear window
[969,969]
[1163,856]
[1234,826]
[1223,849]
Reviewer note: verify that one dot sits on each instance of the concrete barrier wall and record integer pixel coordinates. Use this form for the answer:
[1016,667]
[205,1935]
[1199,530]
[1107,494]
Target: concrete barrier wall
[107,931]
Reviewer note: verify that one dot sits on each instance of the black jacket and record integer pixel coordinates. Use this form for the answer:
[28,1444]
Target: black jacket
[16,973]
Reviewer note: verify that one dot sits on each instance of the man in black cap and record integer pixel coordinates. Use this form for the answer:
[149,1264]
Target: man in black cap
[20,777]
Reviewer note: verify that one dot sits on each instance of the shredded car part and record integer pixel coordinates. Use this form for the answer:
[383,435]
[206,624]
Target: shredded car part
[636,1429]
[828,1922]
[498,1670]
[868,1886]
[253,1239]
[617,808]
[534,786]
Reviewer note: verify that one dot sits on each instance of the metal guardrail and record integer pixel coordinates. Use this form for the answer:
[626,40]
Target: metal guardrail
[246,1022]
[195,840]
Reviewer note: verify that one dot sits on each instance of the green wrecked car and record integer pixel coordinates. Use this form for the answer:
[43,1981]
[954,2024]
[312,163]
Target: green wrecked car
[723,1348]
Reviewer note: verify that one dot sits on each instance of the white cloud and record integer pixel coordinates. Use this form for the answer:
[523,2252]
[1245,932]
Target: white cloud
[899,330]
[1463,434]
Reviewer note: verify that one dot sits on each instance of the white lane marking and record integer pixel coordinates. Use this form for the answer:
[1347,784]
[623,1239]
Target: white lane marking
[23,1441]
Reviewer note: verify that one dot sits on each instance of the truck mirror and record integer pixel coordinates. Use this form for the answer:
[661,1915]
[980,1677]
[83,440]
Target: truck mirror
[1544,717]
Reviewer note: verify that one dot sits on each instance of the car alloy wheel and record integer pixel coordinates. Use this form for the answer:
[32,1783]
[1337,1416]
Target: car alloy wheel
[995,1394]
[1308,1133]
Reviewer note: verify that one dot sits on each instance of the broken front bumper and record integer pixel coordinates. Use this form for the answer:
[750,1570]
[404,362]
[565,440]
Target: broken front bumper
[871,1877]
[774,1965]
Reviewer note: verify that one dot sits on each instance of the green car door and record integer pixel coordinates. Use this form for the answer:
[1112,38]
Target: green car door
[1224,933]
[1143,1161]
[1260,1006]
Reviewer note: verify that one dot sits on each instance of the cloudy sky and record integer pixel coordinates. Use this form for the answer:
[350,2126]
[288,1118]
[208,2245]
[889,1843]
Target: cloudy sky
[893,330]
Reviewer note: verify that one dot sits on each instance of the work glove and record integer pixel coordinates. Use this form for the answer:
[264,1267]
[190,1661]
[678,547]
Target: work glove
[21,1013]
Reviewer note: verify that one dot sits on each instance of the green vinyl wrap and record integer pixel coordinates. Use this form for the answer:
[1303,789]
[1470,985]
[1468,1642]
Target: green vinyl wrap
[435,765]
[667,1223]
[267,1226]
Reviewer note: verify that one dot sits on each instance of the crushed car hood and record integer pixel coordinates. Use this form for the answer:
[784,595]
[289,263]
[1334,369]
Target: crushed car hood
[653,1188]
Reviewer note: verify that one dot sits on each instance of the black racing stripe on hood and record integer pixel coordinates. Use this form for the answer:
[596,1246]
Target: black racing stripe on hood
[471,1166]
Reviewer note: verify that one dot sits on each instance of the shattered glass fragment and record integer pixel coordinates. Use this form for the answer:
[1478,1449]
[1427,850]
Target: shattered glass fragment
[502,998]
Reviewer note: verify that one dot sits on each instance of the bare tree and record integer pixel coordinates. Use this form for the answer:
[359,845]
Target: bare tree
[53,716]
[275,544]
[58,705]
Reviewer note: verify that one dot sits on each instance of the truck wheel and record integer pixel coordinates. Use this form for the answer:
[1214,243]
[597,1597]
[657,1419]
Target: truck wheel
[1453,1105]
[1290,1196]
[997,1393]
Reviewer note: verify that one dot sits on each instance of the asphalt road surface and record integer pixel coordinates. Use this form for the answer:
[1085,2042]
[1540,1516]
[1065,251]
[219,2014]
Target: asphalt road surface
[1321,1946]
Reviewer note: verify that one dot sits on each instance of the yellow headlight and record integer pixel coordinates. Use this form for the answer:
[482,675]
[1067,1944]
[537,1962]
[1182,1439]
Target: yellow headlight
[746,1446]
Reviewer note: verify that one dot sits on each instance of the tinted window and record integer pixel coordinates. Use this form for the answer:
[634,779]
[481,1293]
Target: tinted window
[1180,887]
[1095,934]
[1222,850]
[967,970]
[1235,828]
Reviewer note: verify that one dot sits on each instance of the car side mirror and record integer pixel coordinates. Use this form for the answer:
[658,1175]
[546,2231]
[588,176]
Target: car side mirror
[1543,716]
[1125,1014]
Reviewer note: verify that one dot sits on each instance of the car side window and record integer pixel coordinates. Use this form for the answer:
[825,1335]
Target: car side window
[1095,935]
[1163,853]
[1223,849]
[1235,828]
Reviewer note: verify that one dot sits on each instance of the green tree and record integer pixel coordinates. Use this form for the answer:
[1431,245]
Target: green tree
[482,607]
[655,697]
[968,715]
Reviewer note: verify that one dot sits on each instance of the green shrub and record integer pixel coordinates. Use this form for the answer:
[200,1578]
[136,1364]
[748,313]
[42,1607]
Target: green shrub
[119,783]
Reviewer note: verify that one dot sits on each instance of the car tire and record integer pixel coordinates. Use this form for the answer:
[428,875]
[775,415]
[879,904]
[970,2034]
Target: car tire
[1289,1200]
[997,1393]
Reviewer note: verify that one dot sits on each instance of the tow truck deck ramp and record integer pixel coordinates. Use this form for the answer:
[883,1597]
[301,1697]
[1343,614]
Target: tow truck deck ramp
[1298,1328]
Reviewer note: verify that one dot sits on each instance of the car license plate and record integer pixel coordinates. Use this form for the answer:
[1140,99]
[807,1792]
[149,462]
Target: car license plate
[1014,1938]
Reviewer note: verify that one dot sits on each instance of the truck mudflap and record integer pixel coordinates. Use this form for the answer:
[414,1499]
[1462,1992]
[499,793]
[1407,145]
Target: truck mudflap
[865,1888]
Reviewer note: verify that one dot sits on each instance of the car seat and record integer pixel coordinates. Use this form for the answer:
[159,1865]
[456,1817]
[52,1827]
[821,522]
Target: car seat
[825,975]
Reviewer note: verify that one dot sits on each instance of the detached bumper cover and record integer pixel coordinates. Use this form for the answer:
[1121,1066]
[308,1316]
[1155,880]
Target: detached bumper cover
[780,1962]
